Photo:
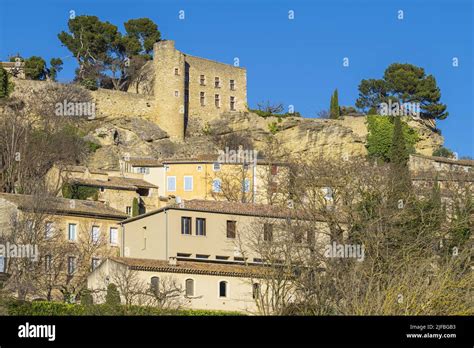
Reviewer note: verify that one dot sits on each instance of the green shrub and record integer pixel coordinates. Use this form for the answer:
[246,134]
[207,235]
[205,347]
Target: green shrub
[90,84]
[74,191]
[379,139]
[93,147]
[273,127]
[113,295]
[443,152]
[44,308]
[6,87]
[86,297]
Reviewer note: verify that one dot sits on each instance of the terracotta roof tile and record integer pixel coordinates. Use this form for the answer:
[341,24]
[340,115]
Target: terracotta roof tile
[59,205]
[232,208]
[192,267]
[115,182]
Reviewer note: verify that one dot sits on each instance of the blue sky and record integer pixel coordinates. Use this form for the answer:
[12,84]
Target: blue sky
[296,62]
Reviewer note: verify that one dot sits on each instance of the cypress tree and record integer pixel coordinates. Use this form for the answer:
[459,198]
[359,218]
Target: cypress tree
[337,111]
[331,106]
[334,107]
[135,207]
[399,163]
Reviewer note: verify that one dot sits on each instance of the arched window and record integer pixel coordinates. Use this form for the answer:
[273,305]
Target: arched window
[223,289]
[155,285]
[255,290]
[189,287]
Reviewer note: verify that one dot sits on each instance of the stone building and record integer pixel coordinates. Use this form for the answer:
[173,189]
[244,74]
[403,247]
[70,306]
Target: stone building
[16,69]
[187,86]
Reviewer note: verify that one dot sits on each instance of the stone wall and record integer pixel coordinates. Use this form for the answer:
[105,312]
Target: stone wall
[210,71]
[113,103]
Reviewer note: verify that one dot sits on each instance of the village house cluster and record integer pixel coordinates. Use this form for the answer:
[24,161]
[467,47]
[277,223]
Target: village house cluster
[185,219]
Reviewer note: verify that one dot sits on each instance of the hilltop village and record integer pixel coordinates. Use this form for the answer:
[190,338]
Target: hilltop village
[162,205]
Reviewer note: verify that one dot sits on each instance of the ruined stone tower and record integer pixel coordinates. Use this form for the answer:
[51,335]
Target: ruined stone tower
[187,86]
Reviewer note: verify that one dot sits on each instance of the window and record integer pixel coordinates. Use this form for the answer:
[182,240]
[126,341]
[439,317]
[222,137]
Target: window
[217,83]
[186,225]
[267,232]
[113,235]
[246,185]
[232,103]
[47,263]
[274,169]
[95,263]
[216,185]
[176,71]
[155,285]
[216,166]
[30,226]
[298,237]
[171,181]
[176,93]
[255,290]
[231,226]
[189,287]
[71,264]
[2,264]
[143,170]
[202,97]
[188,183]
[223,289]
[232,85]
[202,256]
[200,227]
[95,234]
[128,210]
[102,189]
[199,168]
[202,80]
[311,237]
[48,230]
[217,100]
[72,231]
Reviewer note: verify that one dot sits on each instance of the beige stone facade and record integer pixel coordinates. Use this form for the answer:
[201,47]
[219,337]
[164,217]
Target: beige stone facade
[187,86]
[200,285]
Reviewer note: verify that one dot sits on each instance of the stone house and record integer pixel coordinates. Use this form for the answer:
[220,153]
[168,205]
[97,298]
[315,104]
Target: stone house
[204,246]
[206,177]
[60,229]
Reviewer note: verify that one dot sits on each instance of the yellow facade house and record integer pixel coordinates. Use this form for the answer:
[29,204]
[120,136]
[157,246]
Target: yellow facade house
[208,177]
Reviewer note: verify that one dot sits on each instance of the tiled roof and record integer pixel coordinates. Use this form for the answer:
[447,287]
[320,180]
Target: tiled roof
[145,162]
[232,208]
[115,182]
[462,162]
[211,158]
[63,206]
[192,267]
[83,169]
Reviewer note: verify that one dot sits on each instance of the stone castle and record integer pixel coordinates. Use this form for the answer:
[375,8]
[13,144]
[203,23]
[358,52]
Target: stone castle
[183,86]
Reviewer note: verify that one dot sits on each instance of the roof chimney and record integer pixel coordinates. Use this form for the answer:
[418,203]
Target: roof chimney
[172,261]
